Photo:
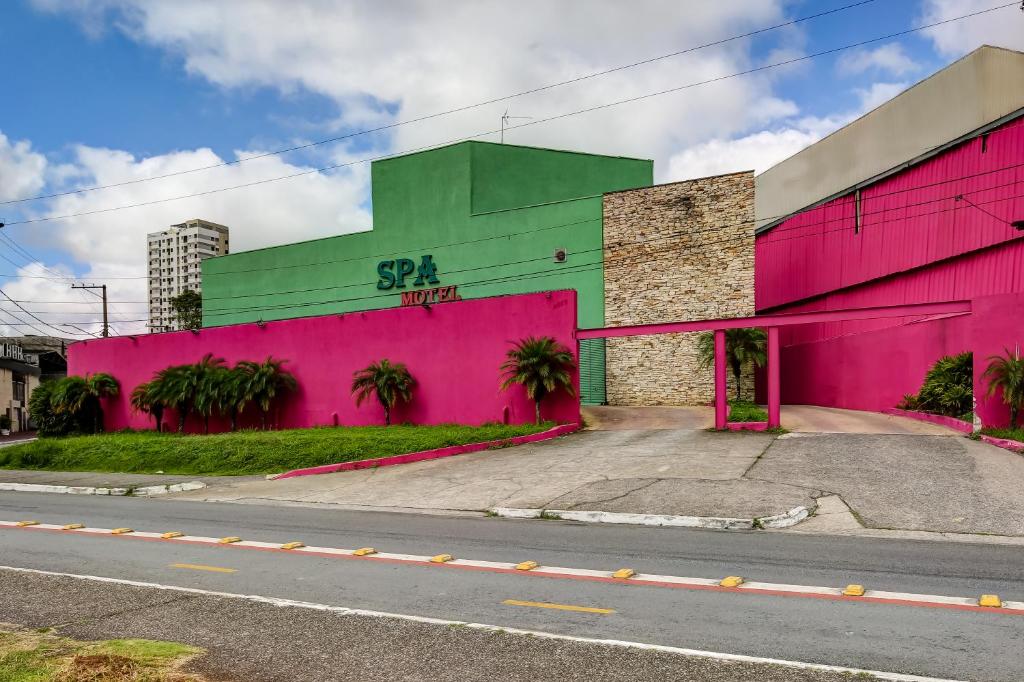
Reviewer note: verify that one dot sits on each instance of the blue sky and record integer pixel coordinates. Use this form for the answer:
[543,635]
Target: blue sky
[107,91]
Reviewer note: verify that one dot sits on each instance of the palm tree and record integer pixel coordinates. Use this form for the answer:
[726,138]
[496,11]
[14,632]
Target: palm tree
[1006,373]
[209,384]
[741,347]
[235,392]
[182,386]
[264,382]
[390,383]
[80,396]
[541,365]
[145,398]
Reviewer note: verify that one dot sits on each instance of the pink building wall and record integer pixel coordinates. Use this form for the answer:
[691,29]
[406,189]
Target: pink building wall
[452,349]
[909,220]
[917,245]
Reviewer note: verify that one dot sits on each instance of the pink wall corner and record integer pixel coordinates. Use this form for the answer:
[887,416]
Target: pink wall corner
[998,327]
[453,350]
[871,370]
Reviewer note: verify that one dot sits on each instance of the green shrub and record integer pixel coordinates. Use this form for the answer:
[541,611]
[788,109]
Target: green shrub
[948,388]
[48,420]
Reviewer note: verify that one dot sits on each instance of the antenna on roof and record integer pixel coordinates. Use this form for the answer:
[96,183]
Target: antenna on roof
[505,118]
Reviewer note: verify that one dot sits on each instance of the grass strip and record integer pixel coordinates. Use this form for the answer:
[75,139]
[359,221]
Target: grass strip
[742,411]
[243,452]
[39,656]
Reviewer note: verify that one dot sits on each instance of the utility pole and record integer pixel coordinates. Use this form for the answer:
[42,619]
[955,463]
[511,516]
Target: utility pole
[103,287]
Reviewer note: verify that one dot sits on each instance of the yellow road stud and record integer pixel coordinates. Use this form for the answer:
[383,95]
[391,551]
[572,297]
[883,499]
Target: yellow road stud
[72,526]
[527,566]
[28,523]
[293,545]
[624,573]
[853,591]
[121,531]
[991,600]
[172,534]
[441,558]
[228,540]
[364,551]
[731,581]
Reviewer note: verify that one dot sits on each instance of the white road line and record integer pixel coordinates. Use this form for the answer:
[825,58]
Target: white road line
[344,610]
[639,578]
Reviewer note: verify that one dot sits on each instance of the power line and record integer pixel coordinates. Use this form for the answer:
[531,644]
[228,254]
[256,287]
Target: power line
[571,269]
[773,239]
[608,105]
[505,236]
[455,110]
[681,233]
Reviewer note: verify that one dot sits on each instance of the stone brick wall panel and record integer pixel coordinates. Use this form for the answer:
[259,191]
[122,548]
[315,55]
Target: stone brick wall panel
[679,251]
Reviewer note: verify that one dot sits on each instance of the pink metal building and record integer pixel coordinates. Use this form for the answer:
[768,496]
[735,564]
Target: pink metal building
[931,221]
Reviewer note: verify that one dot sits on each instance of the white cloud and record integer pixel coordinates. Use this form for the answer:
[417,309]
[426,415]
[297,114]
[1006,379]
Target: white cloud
[419,60]
[761,150]
[22,171]
[758,151]
[114,243]
[889,58]
[1002,28]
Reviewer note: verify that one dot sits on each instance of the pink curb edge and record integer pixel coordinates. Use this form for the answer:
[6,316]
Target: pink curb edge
[1006,443]
[746,426]
[438,453]
[940,419]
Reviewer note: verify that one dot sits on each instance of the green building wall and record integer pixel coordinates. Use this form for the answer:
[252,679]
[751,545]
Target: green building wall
[490,215]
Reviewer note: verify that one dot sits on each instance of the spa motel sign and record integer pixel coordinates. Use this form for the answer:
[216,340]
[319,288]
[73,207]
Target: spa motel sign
[394,273]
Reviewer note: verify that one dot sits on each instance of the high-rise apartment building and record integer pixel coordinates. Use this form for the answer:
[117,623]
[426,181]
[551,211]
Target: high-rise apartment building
[174,258]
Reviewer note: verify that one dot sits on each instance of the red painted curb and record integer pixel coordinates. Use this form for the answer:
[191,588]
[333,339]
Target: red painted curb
[437,453]
[1005,443]
[940,419]
[746,426]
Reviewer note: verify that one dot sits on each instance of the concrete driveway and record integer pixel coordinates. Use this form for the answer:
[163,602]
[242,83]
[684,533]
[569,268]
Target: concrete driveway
[895,474]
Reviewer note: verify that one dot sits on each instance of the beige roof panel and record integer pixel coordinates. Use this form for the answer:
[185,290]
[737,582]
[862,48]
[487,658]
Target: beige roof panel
[980,88]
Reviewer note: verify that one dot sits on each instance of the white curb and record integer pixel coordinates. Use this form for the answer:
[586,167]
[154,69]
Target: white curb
[146,491]
[789,518]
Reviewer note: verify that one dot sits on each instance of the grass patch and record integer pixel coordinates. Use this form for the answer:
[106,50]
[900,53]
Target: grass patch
[30,656]
[243,452]
[743,411]
[1009,434]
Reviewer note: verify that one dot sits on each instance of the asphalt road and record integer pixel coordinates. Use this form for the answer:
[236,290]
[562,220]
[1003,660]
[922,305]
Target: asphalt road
[909,639]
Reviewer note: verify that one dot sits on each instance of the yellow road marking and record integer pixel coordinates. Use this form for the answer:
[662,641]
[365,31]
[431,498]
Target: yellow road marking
[200,567]
[560,607]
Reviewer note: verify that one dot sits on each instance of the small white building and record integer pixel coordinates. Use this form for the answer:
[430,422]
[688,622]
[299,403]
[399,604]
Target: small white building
[174,257]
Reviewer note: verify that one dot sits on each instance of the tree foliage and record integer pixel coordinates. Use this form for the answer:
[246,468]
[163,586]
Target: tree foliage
[948,388]
[389,382]
[72,404]
[541,365]
[145,398]
[210,387]
[1005,374]
[742,347]
[188,309]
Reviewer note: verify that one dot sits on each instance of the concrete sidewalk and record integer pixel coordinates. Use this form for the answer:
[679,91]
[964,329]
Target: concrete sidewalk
[650,472]
[896,475]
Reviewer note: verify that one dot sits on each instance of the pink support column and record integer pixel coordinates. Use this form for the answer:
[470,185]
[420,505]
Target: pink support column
[774,387]
[721,406]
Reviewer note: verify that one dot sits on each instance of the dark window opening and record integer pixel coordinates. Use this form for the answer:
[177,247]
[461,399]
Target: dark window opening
[857,216]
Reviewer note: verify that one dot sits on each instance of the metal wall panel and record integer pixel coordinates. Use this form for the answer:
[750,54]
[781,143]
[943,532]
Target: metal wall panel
[963,97]
[909,220]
